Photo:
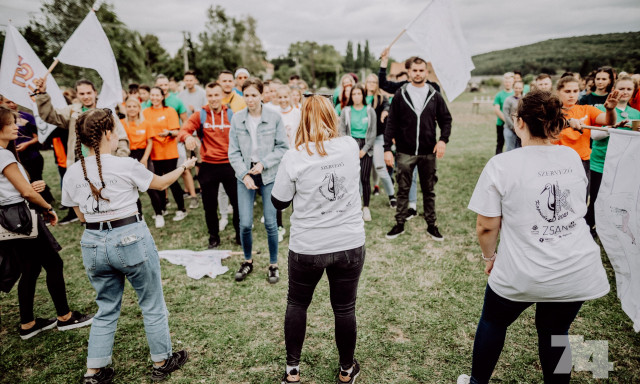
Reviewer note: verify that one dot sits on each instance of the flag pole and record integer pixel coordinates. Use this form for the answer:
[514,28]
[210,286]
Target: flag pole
[53,65]
[604,129]
[397,38]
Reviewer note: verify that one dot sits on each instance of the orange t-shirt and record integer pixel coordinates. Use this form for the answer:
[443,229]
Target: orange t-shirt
[164,148]
[587,115]
[137,133]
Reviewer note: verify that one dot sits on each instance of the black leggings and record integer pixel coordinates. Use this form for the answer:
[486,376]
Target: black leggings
[366,162]
[137,154]
[32,256]
[594,186]
[158,201]
[305,271]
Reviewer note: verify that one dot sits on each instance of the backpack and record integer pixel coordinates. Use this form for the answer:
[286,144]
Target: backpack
[203,119]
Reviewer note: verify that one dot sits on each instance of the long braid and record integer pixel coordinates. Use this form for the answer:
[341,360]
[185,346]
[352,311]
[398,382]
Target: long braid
[89,131]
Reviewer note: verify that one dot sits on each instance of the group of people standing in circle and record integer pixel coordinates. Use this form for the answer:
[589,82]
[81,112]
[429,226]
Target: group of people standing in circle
[317,154]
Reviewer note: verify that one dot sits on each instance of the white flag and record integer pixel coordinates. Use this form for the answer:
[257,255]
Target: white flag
[617,211]
[437,31]
[20,66]
[89,47]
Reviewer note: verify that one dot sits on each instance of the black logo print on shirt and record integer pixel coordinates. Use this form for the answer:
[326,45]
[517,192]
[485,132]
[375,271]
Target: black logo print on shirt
[332,187]
[555,203]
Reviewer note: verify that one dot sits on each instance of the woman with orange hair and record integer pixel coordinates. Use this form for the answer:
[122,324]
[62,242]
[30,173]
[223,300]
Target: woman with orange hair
[320,175]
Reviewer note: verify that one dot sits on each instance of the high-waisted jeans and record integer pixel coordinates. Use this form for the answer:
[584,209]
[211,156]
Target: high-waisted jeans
[110,256]
[343,271]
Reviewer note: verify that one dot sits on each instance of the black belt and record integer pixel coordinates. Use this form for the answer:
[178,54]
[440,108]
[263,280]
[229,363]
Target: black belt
[115,223]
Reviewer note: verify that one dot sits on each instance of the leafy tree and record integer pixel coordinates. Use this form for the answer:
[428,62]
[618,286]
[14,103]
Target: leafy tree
[367,57]
[48,33]
[359,58]
[349,63]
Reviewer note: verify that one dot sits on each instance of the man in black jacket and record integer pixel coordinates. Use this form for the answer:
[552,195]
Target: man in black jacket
[411,123]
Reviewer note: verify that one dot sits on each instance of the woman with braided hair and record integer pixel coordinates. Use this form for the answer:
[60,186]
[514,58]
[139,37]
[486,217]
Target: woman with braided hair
[117,244]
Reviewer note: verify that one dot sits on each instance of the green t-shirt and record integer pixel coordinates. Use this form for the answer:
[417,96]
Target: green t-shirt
[369,100]
[145,104]
[359,122]
[599,147]
[499,100]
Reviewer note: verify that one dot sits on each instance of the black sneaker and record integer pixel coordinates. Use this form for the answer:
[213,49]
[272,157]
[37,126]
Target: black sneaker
[349,378]
[244,270]
[41,325]
[77,320]
[273,275]
[292,377]
[175,362]
[435,234]
[213,243]
[104,376]
[411,213]
[396,231]
[393,202]
[69,218]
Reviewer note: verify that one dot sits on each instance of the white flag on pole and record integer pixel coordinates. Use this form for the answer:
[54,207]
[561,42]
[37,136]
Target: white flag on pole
[89,47]
[437,31]
[617,211]
[20,66]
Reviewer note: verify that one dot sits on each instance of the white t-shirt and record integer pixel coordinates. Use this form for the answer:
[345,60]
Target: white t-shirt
[252,126]
[418,95]
[326,197]
[546,252]
[8,193]
[291,121]
[123,178]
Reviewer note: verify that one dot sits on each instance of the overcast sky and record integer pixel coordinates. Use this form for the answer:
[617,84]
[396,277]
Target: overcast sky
[487,24]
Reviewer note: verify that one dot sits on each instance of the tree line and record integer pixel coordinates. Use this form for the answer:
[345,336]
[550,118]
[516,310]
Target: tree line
[226,43]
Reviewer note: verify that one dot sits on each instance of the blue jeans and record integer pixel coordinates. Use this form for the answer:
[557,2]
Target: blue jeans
[245,208]
[380,167]
[509,139]
[413,192]
[552,318]
[109,256]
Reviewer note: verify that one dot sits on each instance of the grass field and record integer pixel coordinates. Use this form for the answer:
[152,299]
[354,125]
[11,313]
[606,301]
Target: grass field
[418,306]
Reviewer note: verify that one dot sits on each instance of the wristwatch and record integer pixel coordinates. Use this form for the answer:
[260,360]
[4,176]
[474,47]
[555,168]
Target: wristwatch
[492,258]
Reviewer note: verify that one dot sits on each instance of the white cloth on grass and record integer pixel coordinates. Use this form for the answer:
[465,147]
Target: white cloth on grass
[198,263]
[618,220]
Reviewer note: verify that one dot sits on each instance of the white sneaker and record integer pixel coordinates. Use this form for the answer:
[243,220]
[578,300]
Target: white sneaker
[463,379]
[223,223]
[180,215]
[366,214]
[194,203]
[282,231]
[262,219]
[159,221]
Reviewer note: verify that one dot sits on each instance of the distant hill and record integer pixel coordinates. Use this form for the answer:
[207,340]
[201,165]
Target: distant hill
[575,54]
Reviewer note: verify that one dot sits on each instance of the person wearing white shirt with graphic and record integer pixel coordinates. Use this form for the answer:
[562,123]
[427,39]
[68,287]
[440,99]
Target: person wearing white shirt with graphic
[533,198]
[320,176]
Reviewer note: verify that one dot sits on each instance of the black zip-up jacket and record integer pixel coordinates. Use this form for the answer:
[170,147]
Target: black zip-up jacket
[414,128]
[383,105]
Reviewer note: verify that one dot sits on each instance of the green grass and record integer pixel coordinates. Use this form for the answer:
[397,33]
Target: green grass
[418,306]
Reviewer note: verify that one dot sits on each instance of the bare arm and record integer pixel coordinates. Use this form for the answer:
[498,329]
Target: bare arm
[498,112]
[487,229]
[13,174]
[147,152]
[161,183]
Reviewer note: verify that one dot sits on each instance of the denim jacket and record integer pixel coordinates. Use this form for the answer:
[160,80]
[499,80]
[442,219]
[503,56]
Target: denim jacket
[272,144]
